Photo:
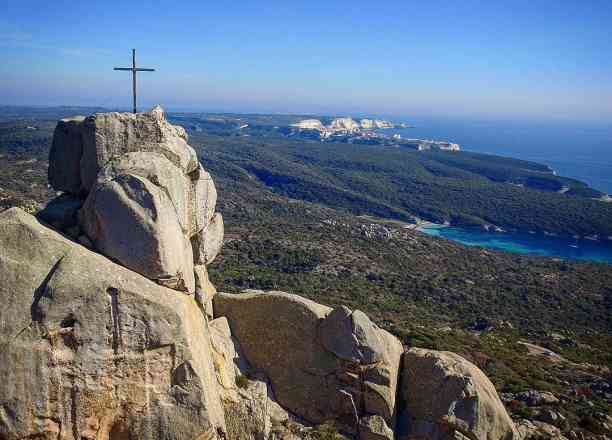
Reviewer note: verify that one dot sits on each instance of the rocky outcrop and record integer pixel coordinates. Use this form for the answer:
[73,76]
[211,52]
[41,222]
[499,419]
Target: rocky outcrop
[113,355]
[309,379]
[146,195]
[530,430]
[92,350]
[443,394]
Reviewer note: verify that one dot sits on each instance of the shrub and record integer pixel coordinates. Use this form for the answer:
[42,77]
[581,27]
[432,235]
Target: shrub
[242,381]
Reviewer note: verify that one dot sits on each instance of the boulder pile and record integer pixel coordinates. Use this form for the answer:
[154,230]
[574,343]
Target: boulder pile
[142,197]
[100,337]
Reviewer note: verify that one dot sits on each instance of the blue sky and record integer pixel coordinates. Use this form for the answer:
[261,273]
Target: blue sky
[538,58]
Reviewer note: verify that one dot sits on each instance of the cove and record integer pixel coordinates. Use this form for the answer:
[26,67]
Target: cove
[524,243]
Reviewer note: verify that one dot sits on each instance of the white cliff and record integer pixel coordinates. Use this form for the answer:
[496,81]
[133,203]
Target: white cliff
[309,124]
[381,123]
[367,124]
[344,124]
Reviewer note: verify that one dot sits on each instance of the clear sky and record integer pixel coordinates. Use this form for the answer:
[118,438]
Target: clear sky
[536,58]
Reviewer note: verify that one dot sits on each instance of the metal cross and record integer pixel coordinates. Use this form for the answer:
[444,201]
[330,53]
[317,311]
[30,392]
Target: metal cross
[134,69]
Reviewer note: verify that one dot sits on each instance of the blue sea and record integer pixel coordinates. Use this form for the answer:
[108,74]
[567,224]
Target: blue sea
[579,150]
[525,243]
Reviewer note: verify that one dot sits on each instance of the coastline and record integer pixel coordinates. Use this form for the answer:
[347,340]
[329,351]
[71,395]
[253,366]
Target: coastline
[421,226]
[554,145]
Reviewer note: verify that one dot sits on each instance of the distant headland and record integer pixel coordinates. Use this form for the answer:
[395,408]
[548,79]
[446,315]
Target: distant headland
[366,130]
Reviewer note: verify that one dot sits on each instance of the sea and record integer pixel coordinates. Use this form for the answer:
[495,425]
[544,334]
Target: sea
[525,243]
[579,150]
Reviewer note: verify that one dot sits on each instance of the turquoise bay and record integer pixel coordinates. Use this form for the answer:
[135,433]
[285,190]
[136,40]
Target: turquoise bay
[524,243]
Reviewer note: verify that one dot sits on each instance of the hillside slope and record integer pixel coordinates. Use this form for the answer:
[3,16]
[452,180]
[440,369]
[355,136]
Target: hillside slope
[458,187]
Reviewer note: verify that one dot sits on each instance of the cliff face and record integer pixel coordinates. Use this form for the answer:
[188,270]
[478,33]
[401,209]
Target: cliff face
[112,330]
[346,124]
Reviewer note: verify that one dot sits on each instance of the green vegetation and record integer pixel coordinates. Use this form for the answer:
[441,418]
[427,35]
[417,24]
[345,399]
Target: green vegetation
[327,431]
[429,292]
[242,381]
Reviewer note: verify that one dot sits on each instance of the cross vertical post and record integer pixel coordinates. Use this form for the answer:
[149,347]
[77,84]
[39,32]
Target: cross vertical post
[134,69]
[134,76]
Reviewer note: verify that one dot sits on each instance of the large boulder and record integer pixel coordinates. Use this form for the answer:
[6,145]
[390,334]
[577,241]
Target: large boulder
[109,135]
[380,381]
[280,336]
[351,336]
[204,200]
[207,243]
[278,333]
[83,146]
[443,394]
[162,173]
[91,350]
[132,221]
[65,155]
[193,195]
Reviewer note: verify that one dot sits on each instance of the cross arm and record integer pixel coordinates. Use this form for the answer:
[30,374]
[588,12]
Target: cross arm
[122,68]
[138,69]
